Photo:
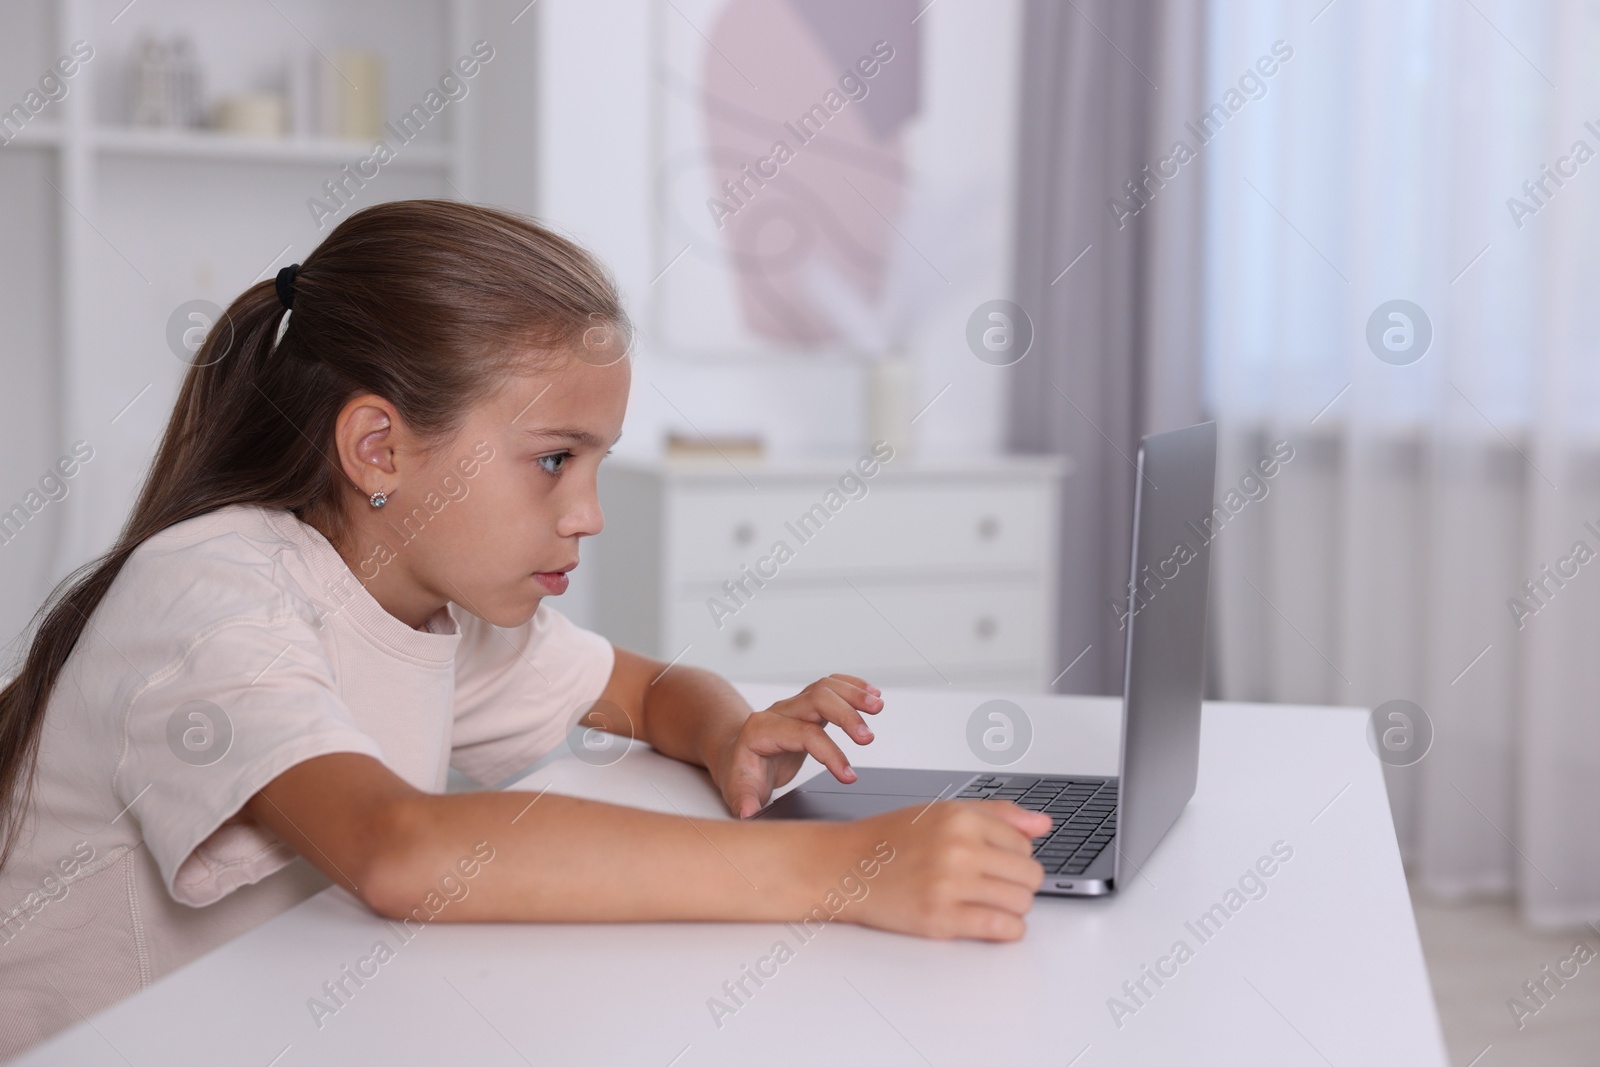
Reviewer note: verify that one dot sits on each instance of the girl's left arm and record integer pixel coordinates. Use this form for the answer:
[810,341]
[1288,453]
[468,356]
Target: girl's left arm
[694,715]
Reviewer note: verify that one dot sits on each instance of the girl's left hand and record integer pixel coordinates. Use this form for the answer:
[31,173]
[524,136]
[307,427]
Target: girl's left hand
[769,746]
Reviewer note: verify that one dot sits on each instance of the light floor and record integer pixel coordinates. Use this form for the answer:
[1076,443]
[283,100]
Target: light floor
[1479,954]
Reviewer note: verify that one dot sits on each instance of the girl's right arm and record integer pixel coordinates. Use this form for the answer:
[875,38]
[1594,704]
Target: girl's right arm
[954,869]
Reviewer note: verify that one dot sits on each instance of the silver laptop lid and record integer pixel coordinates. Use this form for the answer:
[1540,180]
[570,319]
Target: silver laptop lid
[1165,616]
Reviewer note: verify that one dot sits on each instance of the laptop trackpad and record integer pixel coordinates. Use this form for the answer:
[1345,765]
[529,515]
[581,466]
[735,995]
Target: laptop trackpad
[875,790]
[835,807]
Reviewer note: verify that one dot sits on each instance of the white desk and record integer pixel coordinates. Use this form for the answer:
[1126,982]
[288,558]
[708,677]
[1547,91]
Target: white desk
[1326,968]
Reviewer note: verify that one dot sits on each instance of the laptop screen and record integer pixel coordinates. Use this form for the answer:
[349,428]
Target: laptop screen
[1165,623]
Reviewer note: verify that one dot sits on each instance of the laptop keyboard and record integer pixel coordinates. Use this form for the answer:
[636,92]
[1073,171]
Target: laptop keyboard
[1083,814]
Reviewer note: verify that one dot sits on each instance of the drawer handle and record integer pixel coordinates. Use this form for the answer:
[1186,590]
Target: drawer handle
[744,533]
[743,637]
[987,627]
[988,527]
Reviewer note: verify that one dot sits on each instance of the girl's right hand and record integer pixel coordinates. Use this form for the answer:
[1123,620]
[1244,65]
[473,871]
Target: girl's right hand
[960,868]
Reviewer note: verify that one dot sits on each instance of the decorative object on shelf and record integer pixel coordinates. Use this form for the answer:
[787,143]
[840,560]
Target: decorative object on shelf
[301,82]
[731,446]
[154,90]
[251,115]
[357,91]
[890,391]
[166,83]
[191,104]
[338,96]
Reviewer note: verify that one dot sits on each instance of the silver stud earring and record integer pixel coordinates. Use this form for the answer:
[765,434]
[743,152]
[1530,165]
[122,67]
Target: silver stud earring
[378,499]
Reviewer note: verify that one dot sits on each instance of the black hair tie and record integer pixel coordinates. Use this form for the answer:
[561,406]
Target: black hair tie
[285,284]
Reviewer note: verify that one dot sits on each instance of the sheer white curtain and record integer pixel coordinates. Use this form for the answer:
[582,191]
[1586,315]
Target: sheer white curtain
[1390,555]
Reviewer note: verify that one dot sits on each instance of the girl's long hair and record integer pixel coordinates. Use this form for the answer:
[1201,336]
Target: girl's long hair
[427,303]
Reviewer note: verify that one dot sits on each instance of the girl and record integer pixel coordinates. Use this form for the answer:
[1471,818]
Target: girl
[331,589]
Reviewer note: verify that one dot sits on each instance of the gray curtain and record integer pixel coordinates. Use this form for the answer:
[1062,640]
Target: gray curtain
[1107,87]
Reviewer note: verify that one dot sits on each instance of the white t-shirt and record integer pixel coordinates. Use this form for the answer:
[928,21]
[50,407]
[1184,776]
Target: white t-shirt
[230,648]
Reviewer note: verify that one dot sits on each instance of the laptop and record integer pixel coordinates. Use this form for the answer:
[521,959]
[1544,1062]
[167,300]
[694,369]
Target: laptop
[1102,829]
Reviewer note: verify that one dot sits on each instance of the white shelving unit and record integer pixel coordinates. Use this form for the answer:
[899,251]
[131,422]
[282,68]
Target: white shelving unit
[110,228]
[38,135]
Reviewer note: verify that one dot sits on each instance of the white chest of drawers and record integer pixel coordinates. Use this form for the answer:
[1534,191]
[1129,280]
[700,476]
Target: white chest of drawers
[922,574]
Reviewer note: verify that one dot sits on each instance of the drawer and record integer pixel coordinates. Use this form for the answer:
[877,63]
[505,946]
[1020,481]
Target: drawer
[944,628]
[711,533]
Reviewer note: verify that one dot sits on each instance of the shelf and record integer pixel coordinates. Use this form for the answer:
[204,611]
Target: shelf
[205,144]
[37,135]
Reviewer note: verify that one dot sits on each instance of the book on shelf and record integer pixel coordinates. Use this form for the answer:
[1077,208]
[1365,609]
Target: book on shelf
[716,446]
